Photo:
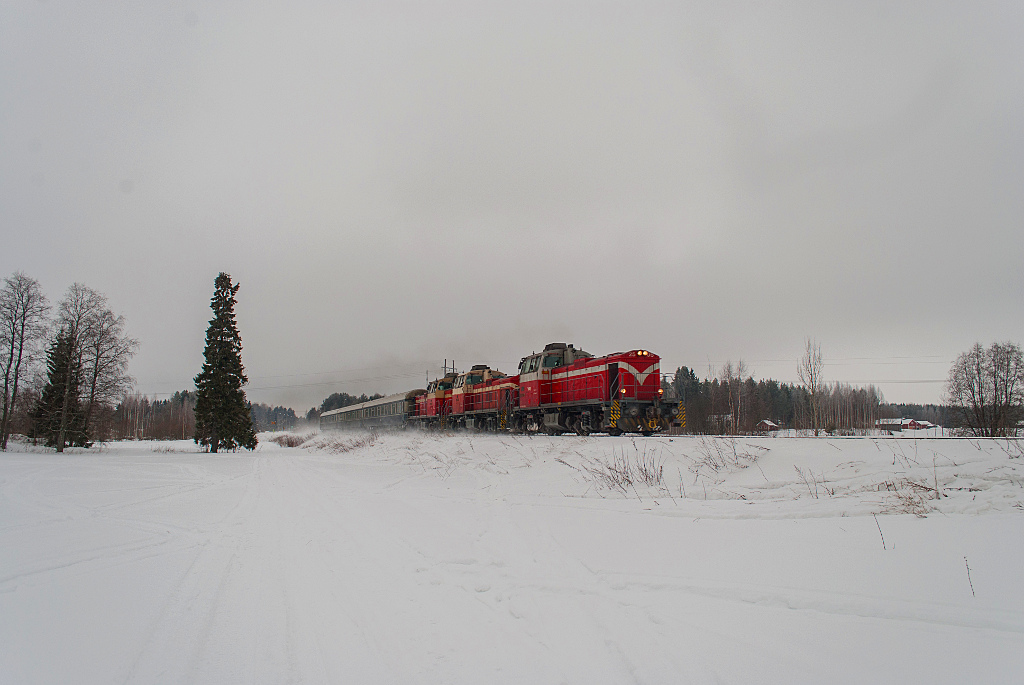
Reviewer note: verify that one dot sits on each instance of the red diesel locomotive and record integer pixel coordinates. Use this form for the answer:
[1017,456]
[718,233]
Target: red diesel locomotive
[559,390]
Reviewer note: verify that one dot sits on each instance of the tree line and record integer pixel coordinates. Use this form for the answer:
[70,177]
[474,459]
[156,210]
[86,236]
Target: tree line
[338,400]
[139,418]
[733,402]
[343,399]
[64,370]
[66,382]
[984,397]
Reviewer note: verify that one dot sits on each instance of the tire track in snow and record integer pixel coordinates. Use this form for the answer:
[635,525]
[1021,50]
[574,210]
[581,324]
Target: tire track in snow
[887,609]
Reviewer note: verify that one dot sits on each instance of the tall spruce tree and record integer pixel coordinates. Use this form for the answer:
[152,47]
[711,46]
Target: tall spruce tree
[223,419]
[57,416]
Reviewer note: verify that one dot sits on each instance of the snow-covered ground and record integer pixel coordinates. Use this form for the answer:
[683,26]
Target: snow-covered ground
[412,558]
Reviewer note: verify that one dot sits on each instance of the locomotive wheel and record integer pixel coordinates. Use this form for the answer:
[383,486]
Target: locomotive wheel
[614,432]
[577,426]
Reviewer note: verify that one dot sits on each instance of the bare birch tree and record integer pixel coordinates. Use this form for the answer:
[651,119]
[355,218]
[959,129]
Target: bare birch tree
[986,389]
[23,322]
[100,348]
[107,349]
[77,315]
[732,378]
[810,373]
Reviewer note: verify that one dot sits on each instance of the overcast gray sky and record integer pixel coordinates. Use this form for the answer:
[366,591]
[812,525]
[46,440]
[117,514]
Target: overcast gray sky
[396,183]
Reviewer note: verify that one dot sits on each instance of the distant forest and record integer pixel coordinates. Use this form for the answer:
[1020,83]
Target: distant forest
[343,399]
[734,404]
[138,417]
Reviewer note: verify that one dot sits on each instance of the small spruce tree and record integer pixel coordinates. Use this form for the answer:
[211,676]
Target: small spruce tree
[222,415]
[58,417]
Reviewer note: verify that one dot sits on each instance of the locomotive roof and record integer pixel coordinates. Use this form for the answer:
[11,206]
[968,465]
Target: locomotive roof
[373,403]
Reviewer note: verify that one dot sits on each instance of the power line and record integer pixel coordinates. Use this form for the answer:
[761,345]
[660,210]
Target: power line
[903,380]
[841,361]
[396,376]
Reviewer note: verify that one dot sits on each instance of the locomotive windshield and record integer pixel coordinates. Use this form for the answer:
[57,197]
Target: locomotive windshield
[529,364]
[473,379]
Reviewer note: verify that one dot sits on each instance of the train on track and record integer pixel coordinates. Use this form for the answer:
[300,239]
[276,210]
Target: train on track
[561,389]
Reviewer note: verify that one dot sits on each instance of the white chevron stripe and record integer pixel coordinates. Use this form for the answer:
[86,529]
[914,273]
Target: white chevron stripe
[640,376]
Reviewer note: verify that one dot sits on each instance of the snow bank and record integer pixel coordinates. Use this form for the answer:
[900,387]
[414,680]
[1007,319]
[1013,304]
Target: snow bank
[480,558]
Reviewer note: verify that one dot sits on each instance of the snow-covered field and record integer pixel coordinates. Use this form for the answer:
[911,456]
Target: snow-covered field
[412,558]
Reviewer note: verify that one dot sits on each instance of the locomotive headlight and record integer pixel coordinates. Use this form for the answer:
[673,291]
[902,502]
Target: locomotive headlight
[623,391]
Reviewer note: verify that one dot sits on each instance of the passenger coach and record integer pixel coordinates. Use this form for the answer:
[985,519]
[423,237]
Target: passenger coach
[390,411]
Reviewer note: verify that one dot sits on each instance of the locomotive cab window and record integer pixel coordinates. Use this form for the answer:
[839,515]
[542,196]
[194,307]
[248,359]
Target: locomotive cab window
[552,360]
